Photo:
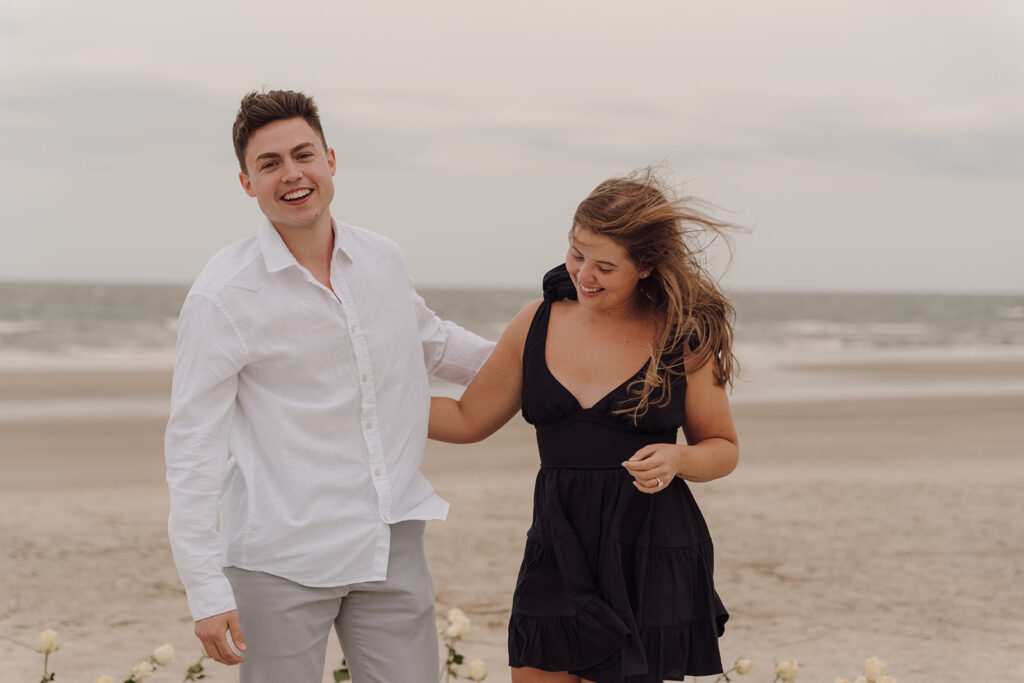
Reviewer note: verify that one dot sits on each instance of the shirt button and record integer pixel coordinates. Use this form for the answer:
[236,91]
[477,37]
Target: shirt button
[364,378]
[352,329]
[376,473]
[369,425]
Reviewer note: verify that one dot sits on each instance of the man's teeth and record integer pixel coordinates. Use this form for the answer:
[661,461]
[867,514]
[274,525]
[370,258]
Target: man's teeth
[298,194]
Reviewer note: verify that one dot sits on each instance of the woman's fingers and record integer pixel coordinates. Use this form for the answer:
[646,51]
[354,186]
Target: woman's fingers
[649,469]
[651,486]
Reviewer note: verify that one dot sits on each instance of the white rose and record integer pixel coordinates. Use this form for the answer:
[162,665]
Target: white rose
[477,671]
[860,679]
[786,671]
[744,666]
[46,642]
[455,614]
[104,679]
[141,671]
[458,628]
[873,669]
[164,655]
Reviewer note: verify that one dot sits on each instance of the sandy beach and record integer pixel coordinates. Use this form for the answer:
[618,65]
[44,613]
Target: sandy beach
[852,528]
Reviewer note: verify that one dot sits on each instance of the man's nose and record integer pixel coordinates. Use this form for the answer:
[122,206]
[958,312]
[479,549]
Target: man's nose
[292,172]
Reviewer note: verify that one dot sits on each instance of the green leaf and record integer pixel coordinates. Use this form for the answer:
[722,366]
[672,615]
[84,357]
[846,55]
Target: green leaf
[457,659]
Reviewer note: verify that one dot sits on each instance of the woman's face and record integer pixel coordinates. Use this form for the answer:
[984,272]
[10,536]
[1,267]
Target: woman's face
[601,271]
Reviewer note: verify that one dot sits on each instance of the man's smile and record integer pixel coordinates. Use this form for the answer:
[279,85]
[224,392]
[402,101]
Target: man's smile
[297,195]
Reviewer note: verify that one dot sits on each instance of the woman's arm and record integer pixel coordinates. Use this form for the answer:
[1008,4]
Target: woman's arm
[494,395]
[712,446]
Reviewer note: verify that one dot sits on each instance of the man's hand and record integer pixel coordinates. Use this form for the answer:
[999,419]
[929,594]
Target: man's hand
[211,631]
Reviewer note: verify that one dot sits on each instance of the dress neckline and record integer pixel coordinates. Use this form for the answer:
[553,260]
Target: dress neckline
[579,405]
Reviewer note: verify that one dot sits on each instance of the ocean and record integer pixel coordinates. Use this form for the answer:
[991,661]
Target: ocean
[786,342]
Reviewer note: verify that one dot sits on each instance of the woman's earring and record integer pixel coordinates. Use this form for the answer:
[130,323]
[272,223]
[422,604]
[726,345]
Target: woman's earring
[644,274]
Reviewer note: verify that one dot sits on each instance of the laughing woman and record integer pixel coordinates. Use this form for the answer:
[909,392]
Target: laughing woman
[616,582]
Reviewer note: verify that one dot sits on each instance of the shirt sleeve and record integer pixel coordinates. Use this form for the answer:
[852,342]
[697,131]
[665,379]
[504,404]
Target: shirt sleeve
[450,352]
[210,352]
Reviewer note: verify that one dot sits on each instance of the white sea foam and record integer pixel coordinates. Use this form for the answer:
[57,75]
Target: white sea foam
[18,326]
[1010,312]
[87,358]
[78,408]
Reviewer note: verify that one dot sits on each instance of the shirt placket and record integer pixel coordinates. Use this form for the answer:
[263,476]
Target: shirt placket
[369,423]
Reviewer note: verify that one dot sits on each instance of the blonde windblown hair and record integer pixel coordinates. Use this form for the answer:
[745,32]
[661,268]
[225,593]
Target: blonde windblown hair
[668,237]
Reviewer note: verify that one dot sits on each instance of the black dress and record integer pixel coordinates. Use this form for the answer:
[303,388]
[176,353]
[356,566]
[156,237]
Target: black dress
[615,585]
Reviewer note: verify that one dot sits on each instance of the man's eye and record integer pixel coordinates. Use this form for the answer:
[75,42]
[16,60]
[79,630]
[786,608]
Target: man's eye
[268,165]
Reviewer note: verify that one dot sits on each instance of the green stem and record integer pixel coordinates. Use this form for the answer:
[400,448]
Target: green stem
[446,668]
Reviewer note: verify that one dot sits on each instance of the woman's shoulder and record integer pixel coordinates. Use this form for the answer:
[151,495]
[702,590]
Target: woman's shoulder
[517,328]
[528,311]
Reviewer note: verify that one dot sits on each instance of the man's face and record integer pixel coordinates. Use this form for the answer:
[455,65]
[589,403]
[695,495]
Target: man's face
[290,174]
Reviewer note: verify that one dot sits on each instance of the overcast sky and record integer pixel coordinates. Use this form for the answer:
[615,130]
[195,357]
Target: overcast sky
[867,145]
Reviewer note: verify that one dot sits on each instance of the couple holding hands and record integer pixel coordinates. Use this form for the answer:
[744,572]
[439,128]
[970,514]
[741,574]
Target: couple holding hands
[300,410]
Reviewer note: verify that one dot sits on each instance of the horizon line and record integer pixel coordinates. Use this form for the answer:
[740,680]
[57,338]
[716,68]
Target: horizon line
[778,290]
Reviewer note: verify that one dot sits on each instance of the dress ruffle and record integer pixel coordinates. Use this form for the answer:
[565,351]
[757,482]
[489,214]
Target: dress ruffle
[628,599]
[591,638]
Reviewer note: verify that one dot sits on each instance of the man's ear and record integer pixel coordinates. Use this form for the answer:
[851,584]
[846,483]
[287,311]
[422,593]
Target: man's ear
[246,184]
[331,162]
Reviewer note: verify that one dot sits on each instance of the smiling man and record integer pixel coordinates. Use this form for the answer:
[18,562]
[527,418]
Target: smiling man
[298,421]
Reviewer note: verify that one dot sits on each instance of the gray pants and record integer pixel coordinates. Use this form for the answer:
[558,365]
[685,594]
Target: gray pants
[387,629]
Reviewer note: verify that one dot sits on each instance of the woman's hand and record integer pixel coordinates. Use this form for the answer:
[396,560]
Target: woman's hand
[653,467]
[712,447]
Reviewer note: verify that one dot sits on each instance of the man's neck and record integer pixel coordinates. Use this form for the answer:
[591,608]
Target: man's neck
[312,247]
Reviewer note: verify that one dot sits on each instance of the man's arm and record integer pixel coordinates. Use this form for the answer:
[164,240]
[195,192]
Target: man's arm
[450,352]
[210,352]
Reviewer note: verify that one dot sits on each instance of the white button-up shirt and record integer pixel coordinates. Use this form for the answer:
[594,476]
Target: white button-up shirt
[299,417]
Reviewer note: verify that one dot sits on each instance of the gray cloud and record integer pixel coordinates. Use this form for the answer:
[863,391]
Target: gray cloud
[106,122]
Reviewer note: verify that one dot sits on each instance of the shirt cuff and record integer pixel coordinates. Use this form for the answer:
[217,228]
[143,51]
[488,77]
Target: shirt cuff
[215,597]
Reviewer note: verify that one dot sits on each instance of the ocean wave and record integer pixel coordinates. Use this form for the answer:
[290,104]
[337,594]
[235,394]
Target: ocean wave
[12,327]
[1010,312]
[842,330]
[79,408]
[87,358]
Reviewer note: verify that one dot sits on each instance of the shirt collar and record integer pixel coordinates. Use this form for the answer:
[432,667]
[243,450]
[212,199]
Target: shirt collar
[276,255]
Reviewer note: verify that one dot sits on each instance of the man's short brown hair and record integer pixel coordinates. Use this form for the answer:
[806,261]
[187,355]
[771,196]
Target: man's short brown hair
[260,108]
